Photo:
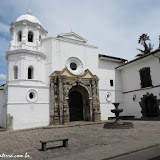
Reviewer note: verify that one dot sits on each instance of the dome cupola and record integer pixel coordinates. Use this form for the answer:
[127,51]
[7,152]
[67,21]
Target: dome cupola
[27,33]
[28,17]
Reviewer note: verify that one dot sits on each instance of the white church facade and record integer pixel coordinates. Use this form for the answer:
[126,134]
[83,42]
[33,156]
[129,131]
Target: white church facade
[56,80]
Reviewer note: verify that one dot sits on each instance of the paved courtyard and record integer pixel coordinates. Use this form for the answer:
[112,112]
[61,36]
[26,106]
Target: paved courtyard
[86,142]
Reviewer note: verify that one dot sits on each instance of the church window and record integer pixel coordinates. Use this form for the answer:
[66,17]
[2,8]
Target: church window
[31,95]
[30,36]
[40,38]
[30,73]
[145,77]
[111,82]
[19,36]
[15,72]
[73,66]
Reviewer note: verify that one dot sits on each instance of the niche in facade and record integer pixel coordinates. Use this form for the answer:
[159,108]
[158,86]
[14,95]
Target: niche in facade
[15,72]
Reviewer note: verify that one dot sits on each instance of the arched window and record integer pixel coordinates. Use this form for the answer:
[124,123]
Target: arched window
[40,39]
[19,37]
[30,36]
[30,73]
[15,72]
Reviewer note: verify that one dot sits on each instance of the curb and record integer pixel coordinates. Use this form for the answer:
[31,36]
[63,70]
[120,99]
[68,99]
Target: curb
[118,156]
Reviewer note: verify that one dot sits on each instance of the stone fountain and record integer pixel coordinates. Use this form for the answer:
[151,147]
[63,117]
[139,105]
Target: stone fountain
[117,124]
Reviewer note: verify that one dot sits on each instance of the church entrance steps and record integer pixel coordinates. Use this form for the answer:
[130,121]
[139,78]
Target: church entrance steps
[73,124]
[2,129]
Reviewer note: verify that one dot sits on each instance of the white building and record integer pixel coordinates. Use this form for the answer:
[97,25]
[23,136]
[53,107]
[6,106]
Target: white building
[141,86]
[55,80]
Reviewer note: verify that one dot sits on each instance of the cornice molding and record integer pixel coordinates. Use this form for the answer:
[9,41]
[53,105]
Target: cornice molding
[26,86]
[20,51]
[72,36]
[69,41]
[24,103]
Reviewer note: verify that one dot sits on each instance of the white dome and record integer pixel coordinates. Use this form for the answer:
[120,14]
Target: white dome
[29,17]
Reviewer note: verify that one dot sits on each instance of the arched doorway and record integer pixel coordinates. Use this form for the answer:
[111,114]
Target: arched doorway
[75,106]
[63,83]
[151,107]
[79,108]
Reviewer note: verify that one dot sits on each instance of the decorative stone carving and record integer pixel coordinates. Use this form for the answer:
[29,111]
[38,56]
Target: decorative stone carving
[62,84]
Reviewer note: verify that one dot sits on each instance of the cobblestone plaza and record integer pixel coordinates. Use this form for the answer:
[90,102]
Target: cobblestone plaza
[86,141]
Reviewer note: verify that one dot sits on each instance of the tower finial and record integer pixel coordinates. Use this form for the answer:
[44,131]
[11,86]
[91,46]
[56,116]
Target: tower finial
[29,11]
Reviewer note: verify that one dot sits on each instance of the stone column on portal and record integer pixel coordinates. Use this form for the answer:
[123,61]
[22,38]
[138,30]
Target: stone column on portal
[65,103]
[56,104]
[51,101]
[61,100]
[66,110]
[98,102]
[91,109]
[94,105]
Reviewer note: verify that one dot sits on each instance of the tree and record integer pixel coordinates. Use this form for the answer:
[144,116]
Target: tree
[147,47]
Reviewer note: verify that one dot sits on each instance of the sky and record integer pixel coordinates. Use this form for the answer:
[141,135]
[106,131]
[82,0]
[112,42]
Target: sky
[112,25]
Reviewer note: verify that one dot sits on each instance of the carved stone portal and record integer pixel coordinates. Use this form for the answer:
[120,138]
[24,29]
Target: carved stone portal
[73,98]
[149,105]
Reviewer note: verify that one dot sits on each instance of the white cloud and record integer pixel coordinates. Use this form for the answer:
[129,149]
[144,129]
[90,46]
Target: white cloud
[2,77]
[112,25]
[4,28]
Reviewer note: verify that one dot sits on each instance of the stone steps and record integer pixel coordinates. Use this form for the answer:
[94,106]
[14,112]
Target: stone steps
[2,129]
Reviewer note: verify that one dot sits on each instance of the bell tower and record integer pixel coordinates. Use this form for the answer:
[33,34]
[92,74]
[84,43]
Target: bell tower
[26,105]
[24,56]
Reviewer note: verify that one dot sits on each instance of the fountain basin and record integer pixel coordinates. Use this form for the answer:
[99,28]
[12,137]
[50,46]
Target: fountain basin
[118,125]
[116,110]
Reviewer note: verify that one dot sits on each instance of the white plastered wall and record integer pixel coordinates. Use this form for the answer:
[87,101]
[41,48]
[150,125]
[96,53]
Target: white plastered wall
[28,114]
[131,81]
[106,72]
